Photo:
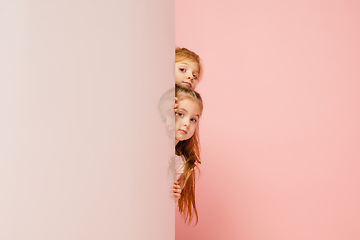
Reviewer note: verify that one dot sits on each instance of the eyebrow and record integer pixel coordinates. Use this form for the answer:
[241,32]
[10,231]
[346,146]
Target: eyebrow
[188,65]
[183,109]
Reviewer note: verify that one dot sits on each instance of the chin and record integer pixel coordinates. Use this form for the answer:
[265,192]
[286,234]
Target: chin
[184,139]
[184,85]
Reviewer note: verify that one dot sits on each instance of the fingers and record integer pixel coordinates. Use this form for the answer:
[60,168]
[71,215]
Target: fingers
[177,190]
[177,196]
[176,108]
[176,105]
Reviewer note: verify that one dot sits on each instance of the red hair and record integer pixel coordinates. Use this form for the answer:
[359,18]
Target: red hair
[189,150]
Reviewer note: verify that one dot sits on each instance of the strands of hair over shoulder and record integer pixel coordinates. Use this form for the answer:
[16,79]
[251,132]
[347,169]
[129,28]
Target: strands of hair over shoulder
[190,151]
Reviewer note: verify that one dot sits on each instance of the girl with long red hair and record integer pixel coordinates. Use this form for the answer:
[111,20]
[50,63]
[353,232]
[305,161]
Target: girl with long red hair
[187,150]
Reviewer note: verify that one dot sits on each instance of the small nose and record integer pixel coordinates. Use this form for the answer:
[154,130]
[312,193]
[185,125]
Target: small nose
[191,76]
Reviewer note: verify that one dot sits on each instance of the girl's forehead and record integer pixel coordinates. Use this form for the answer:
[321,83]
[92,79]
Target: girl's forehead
[189,62]
[189,105]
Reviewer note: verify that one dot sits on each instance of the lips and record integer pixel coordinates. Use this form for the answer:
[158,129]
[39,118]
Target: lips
[188,84]
[183,131]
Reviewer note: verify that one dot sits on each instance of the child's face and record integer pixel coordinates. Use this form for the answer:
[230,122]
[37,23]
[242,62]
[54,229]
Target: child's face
[186,119]
[187,73]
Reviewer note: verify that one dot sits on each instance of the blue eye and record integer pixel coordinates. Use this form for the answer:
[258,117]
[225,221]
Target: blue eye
[195,77]
[193,120]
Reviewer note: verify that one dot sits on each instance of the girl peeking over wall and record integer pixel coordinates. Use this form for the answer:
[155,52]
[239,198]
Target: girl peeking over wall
[187,150]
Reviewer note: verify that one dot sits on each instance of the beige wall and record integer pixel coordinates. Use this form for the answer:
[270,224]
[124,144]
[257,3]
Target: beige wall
[83,150]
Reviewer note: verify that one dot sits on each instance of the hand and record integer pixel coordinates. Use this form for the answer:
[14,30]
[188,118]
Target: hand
[177,191]
[176,106]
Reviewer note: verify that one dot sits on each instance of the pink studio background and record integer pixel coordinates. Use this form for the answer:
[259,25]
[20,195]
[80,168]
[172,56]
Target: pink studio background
[83,150]
[280,131]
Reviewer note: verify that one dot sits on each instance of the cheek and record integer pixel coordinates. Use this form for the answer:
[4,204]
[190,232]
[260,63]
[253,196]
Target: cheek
[177,122]
[178,78]
[194,85]
[192,130]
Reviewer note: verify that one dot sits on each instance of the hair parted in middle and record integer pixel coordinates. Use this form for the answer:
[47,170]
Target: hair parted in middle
[190,151]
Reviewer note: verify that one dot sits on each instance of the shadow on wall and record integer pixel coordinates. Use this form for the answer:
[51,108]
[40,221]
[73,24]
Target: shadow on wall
[166,111]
